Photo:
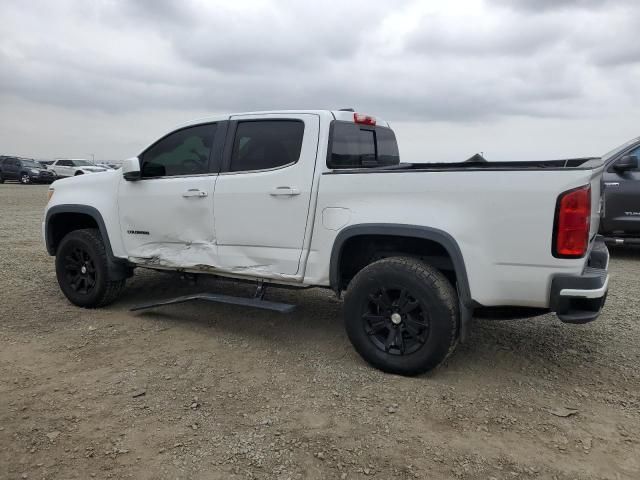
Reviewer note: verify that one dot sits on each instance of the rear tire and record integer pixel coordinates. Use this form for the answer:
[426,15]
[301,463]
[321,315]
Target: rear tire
[25,179]
[82,269]
[401,315]
[1,178]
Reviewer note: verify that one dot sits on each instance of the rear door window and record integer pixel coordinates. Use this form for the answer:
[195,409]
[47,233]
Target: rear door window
[266,144]
[356,146]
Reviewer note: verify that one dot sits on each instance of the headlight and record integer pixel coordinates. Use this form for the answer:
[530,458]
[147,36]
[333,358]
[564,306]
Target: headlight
[33,170]
[50,193]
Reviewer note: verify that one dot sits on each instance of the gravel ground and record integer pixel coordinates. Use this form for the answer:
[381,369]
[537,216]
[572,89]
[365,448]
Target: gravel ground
[205,391]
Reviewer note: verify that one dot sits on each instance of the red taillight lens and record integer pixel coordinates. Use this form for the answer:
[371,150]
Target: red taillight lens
[573,220]
[364,119]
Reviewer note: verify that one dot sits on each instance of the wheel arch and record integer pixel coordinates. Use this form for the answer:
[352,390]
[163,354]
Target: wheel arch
[430,234]
[62,219]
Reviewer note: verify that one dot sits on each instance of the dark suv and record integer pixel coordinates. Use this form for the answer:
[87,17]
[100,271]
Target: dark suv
[620,222]
[24,170]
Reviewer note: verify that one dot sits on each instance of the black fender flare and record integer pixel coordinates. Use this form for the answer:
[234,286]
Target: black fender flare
[466,303]
[118,268]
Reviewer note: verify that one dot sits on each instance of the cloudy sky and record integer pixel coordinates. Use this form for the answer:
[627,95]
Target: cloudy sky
[517,79]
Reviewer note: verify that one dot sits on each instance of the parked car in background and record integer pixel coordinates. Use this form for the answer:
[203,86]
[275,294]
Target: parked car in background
[70,167]
[45,163]
[24,170]
[620,223]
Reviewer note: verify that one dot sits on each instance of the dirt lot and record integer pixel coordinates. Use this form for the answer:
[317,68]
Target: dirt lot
[212,391]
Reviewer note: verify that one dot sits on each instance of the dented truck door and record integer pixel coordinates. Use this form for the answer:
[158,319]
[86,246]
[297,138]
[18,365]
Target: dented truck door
[262,194]
[166,217]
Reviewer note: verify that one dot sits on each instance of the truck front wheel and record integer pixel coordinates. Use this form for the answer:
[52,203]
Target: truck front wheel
[82,269]
[401,315]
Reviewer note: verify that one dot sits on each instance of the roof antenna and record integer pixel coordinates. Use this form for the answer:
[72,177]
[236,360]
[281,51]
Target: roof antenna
[346,110]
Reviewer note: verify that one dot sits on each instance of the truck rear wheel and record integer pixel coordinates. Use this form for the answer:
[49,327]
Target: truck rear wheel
[82,269]
[401,315]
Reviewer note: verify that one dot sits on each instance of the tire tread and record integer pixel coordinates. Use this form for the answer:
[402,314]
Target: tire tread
[431,278]
[113,288]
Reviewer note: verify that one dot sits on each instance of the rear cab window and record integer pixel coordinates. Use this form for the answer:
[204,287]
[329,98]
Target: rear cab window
[361,146]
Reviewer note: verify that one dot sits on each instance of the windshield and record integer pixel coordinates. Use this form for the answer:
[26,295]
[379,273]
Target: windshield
[30,164]
[617,150]
[82,163]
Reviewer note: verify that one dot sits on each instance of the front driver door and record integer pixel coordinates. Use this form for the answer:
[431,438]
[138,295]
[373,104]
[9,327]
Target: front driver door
[262,197]
[166,217]
[622,200]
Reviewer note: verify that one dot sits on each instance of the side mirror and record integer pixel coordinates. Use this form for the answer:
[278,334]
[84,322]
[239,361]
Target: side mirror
[626,163]
[131,169]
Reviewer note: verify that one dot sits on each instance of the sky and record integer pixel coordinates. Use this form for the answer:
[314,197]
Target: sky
[514,79]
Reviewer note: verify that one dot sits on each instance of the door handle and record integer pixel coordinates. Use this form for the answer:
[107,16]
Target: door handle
[194,192]
[284,191]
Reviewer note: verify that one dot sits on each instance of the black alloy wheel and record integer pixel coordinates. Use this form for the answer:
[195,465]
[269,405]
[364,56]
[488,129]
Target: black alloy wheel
[80,270]
[401,315]
[83,272]
[395,321]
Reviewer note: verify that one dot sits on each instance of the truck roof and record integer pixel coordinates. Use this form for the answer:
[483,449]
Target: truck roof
[342,115]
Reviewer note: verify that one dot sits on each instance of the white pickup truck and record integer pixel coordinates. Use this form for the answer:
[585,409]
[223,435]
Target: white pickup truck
[320,199]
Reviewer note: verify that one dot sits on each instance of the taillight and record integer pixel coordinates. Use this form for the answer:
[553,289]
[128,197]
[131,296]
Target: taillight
[363,119]
[572,223]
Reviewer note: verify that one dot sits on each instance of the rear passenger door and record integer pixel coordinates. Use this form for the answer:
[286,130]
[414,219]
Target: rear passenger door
[263,192]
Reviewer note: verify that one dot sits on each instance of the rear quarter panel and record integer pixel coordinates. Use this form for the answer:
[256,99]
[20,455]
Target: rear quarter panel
[501,220]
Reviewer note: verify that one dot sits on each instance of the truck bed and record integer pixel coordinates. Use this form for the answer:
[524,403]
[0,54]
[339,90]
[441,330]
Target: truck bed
[586,163]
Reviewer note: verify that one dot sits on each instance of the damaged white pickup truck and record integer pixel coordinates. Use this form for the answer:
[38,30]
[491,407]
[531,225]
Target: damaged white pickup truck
[320,199]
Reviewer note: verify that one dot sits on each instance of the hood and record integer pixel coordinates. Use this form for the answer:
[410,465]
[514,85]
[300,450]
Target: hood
[92,181]
[93,169]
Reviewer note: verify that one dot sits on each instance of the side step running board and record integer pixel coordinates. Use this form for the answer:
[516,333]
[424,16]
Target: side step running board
[214,297]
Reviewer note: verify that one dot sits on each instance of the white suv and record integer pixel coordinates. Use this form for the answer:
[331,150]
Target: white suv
[69,167]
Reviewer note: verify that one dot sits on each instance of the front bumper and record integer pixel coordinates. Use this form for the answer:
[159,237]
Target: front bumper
[580,298]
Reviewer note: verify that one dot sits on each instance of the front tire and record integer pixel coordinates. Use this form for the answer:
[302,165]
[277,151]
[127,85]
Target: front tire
[401,315]
[25,179]
[82,269]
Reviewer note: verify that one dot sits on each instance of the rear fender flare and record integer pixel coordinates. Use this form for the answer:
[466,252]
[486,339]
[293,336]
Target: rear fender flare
[414,231]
